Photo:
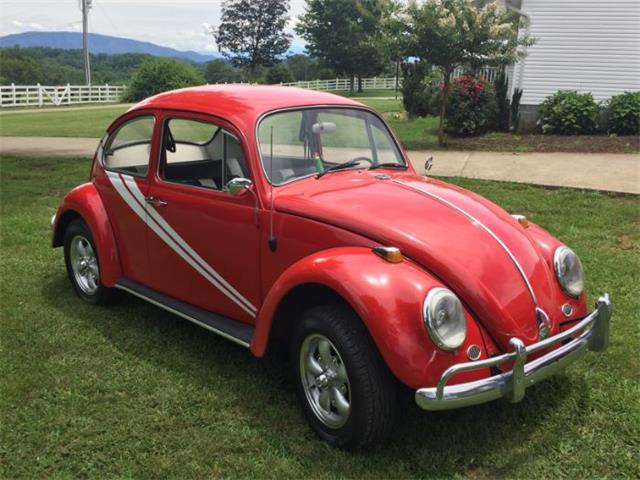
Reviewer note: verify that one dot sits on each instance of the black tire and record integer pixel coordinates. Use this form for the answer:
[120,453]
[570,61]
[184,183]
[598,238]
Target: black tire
[371,389]
[100,295]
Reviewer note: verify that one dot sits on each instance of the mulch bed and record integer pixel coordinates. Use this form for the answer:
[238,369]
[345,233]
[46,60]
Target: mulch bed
[546,143]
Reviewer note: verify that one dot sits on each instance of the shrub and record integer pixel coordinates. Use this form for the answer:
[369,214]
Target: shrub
[515,108]
[568,112]
[420,90]
[156,75]
[279,73]
[472,106]
[503,105]
[624,114]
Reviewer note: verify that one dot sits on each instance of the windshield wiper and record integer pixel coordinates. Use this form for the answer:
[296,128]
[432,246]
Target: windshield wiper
[340,166]
[400,166]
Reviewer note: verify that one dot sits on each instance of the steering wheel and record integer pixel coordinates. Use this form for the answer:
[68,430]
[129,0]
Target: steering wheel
[362,159]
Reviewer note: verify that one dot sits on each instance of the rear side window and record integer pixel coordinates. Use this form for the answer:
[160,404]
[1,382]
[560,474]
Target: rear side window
[128,149]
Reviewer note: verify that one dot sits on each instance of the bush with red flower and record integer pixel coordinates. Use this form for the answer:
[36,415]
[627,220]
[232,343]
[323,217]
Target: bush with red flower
[471,108]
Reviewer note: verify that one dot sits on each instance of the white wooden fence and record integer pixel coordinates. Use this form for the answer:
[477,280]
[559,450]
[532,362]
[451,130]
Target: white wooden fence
[374,83]
[377,83]
[488,74]
[48,95]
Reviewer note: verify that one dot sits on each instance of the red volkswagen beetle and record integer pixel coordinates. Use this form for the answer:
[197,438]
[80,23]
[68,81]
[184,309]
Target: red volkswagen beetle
[279,216]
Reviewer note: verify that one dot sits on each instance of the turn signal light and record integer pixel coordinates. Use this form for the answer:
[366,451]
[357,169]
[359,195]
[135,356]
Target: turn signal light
[390,254]
[522,220]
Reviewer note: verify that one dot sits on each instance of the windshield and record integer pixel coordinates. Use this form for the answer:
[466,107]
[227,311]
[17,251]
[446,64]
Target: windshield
[299,143]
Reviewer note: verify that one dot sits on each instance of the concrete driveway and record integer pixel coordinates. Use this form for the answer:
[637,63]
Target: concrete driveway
[599,171]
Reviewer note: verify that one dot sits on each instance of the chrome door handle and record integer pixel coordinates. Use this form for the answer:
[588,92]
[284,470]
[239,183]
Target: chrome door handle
[156,202]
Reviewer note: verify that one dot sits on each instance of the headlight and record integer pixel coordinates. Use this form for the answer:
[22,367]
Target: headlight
[569,271]
[444,319]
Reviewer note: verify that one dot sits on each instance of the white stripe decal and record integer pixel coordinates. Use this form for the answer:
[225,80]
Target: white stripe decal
[133,187]
[177,244]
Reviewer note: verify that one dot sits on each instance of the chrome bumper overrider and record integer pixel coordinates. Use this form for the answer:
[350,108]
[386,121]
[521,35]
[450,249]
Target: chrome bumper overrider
[592,334]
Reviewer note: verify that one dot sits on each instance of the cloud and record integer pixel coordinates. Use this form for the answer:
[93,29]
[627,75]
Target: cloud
[208,28]
[30,26]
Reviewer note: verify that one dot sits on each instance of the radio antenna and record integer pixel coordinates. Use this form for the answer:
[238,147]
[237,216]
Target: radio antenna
[273,243]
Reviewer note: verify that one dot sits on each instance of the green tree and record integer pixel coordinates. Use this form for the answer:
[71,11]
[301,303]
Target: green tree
[278,74]
[453,33]
[347,35]
[156,75]
[55,66]
[15,67]
[303,67]
[251,32]
[219,71]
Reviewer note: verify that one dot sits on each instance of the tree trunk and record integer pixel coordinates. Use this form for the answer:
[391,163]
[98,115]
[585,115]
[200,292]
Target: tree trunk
[397,77]
[351,85]
[446,85]
[359,83]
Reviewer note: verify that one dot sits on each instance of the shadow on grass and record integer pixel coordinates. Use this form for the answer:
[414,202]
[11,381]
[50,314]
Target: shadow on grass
[442,444]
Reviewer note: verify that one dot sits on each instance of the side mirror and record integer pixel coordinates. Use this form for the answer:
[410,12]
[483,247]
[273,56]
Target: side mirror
[236,186]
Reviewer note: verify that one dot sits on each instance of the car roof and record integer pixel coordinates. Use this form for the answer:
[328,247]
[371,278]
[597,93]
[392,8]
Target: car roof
[240,103]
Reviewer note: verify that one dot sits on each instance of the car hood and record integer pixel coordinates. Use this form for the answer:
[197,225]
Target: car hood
[477,249]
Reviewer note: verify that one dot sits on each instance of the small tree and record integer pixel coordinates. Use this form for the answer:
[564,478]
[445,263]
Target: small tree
[278,74]
[453,33]
[156,75]
[347,35]
[251,32]
[219,71]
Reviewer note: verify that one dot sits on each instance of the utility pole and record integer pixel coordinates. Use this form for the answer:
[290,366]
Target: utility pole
[86,6]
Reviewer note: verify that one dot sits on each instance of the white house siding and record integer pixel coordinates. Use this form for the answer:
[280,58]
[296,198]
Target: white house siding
[585,45]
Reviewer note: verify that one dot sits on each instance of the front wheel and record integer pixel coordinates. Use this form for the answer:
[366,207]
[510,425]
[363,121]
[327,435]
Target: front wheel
[81,260]
[347,392]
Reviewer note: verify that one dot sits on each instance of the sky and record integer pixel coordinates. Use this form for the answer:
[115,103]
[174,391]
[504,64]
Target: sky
[183,25]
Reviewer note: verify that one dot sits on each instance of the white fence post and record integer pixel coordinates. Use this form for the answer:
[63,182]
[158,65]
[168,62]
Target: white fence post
[39,95]
[13,94]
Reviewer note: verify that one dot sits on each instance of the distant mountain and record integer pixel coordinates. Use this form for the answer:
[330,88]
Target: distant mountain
[99,44]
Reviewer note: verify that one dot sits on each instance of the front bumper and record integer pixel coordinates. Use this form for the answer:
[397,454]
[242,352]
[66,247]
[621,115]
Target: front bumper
[592,334]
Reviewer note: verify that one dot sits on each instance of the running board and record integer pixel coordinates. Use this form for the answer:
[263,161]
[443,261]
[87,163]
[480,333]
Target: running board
[238,332]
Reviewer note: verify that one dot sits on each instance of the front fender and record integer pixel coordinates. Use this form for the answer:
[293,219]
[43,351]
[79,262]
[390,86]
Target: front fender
[547,244]
[388,297]
[85,202]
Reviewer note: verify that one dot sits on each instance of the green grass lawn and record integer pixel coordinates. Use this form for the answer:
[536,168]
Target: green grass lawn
[133,391]
[89,122]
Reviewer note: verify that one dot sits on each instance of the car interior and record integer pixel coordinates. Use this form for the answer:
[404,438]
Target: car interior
[209,164]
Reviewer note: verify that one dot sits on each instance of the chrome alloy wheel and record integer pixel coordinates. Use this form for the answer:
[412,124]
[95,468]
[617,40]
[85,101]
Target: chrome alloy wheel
[325,381]
[84,264]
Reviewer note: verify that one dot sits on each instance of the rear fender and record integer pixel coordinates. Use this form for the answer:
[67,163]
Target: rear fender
[388,297]
[84,202]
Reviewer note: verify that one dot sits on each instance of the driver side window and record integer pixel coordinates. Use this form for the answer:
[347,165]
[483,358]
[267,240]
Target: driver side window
[200,154]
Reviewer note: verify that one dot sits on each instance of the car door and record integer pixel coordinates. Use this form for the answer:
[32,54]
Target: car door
[203,248]
[122,182]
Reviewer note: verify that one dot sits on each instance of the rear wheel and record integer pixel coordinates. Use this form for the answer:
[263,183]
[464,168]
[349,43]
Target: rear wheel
[81,259]
[346,390]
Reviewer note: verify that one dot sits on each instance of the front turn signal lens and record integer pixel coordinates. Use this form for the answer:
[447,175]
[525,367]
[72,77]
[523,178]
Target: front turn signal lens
[390,254]
[522,220]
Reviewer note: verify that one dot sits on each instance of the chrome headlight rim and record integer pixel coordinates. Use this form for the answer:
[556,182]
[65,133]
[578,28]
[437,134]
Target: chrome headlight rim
[428,308]
[558,258]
